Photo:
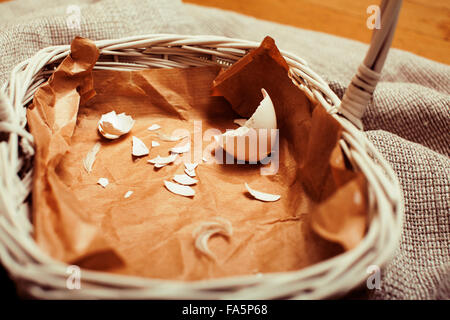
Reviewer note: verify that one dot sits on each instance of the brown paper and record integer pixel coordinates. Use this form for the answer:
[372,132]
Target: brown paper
[313,133]
[150,232]
[62,227]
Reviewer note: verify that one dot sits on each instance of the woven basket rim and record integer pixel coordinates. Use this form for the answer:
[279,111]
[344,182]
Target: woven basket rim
[384,229]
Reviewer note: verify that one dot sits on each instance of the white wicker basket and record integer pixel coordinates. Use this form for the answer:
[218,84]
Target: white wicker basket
[38,275]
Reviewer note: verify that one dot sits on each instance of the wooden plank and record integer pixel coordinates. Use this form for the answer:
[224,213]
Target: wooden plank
[423,28]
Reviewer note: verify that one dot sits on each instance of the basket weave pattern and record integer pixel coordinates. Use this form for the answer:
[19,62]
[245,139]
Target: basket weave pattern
[42,277]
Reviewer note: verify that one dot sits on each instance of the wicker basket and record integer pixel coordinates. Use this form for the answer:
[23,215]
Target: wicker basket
[38,275]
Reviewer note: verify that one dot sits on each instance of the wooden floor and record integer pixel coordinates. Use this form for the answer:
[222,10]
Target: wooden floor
[423,27]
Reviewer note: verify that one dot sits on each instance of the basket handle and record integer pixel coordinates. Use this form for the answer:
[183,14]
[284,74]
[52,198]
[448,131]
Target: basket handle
[363,83]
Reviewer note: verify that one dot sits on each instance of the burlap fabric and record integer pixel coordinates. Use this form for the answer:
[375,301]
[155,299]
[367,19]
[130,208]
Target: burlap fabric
[408,119]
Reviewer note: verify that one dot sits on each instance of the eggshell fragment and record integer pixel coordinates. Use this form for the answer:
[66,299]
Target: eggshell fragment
[264,116]
[190,166]
[262,195]
[163,160]
[128,194]
[155,144]
[154,127]
[184,179]
[179,189]
[103,182]
[181,149]
[206,230]
[165,137]
[253,141]
[89,160]
[190,173]
[112,125]
[139,148]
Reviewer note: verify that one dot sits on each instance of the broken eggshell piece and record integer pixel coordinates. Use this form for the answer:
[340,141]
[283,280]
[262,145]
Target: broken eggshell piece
[181,149]
[154,127]
[262,196]
[163,160]
[253,141]
[112,125]
[103,182]
[179,189]
[184,179]
[139,148]
[209,228]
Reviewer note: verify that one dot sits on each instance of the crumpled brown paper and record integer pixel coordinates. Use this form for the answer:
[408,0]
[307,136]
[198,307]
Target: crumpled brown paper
[62,227]
[313,134]
[150,233]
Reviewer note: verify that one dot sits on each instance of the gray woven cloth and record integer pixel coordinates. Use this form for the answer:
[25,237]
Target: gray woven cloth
[408,119]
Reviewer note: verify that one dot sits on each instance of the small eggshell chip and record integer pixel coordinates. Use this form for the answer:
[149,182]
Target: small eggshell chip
[165,137]
[181,149]
[128,194]
[103,182]
[262,195]
[163,160]
[155,144]
[184,179]
[154,127]
[190,166]
[89,160]
[139,148]
[179,189]
[112,125]
[190,173]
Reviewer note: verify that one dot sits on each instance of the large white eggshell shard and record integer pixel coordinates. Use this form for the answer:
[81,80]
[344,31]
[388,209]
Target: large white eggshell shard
[103,182]
[181,149]
[253,141]
[139,148]
[184,179]
[112,125]
[264,116]
[89,160]
[262,195]
[179,189]
[190,173]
